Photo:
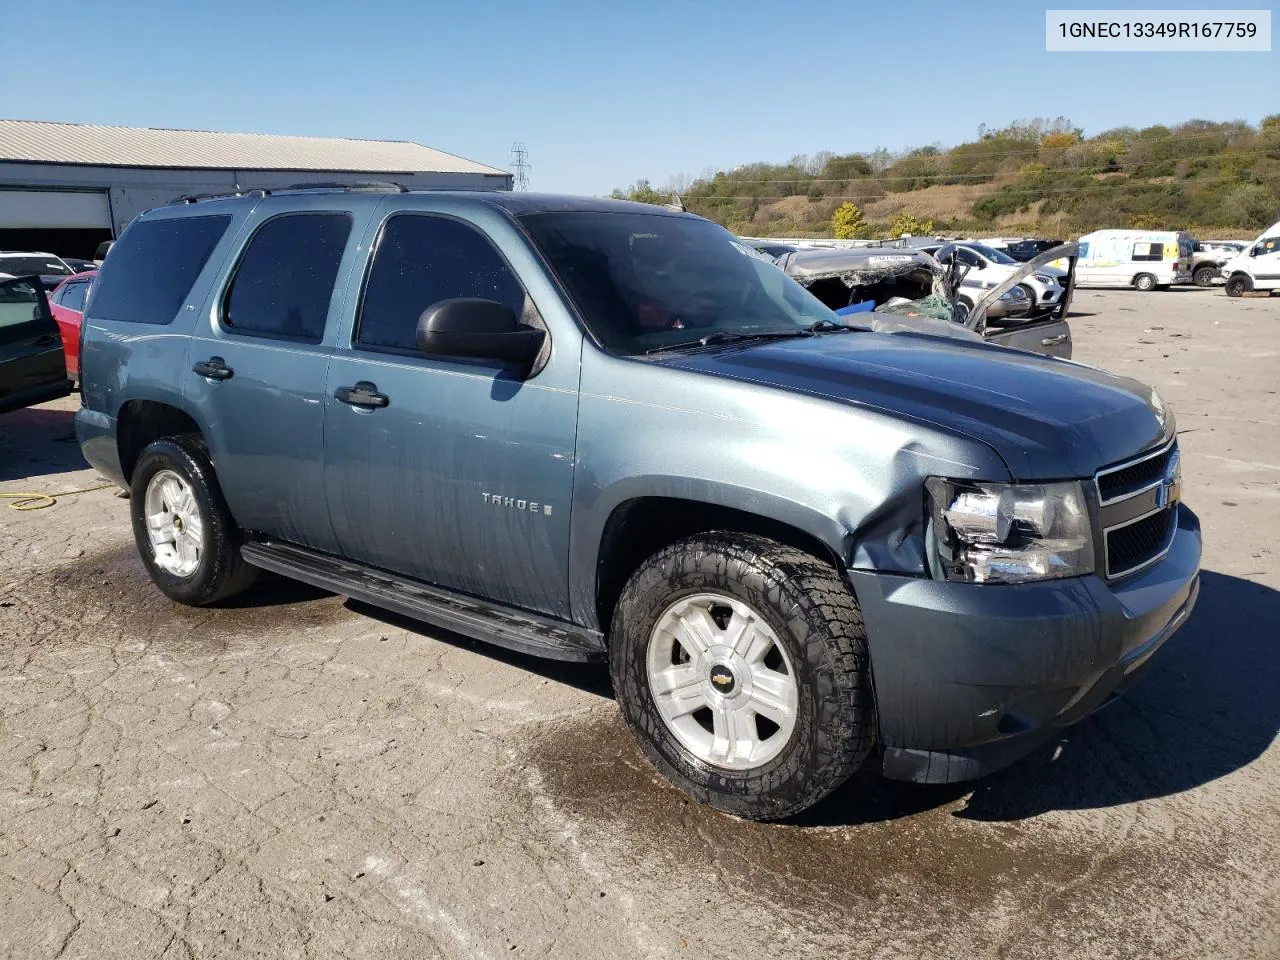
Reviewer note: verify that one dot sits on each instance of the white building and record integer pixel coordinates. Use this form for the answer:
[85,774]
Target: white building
[65,187]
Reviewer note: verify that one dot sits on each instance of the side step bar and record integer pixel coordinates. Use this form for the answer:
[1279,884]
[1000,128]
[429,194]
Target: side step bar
[481,620]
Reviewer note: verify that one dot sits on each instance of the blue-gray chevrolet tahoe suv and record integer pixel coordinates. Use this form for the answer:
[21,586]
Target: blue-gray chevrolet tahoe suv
[596,430]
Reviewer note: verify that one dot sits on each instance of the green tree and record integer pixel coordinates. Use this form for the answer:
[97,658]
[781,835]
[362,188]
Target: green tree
[1250,205]
[906,223]
[847,222]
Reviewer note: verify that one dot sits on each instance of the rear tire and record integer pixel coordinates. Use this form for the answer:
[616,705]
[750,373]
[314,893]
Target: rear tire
[714,626]
[1204,276]
[1238,285]
[185,534]
[1145,282]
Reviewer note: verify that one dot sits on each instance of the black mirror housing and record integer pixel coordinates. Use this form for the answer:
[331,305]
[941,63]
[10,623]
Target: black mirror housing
[479,329]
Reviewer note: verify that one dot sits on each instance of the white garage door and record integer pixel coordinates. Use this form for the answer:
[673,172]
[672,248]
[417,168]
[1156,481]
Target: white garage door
[53,210]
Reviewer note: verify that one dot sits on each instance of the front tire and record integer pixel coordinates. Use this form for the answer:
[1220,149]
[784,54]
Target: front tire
[1145,282]
[741,668]
[1032,301]
[185,534]
[1238,285]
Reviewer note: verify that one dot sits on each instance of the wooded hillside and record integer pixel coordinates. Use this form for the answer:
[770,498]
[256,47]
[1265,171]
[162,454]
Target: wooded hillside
[1040,176]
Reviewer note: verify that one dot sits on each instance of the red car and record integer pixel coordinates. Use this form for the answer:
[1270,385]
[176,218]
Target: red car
[67,303]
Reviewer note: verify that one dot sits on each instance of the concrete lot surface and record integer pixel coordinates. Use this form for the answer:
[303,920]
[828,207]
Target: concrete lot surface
[296,775]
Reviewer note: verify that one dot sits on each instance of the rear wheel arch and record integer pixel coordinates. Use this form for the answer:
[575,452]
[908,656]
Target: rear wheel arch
[142,422]
[640,527]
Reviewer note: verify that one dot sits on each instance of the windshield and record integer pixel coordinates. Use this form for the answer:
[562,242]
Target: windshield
[644,281]
[23,266]
[992,254]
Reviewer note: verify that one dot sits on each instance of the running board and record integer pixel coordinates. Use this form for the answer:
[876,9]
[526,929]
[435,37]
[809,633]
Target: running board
[480,620]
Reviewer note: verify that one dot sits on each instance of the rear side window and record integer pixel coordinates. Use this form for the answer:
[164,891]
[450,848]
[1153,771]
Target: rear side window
[153,267]
[421,260]
[73,296]
[1148,251]
[284,282]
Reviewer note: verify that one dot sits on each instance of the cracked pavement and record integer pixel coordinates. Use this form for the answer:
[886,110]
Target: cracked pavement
[298,775]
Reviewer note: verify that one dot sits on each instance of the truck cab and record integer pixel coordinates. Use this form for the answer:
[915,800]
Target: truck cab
[1257,267]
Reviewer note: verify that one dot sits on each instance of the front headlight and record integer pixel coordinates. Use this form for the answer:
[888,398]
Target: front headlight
[1046,279]
[1008,533]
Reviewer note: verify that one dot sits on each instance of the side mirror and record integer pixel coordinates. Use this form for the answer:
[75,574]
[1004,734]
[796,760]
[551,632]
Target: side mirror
[1255,250]
[482,329]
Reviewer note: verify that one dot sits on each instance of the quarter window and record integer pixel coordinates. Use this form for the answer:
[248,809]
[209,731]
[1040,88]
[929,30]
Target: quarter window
[153,268]
[73,296]
[421,260]
[285,280]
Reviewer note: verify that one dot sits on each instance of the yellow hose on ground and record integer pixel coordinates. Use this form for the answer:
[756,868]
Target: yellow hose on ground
[38,501]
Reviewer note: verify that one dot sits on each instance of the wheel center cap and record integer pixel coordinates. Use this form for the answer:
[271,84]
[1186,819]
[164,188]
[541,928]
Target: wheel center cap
[177,522]
[722,679]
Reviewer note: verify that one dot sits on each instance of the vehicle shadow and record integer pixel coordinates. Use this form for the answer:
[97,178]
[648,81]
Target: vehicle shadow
[38,442]
[590,678]
[1206,707]
[273,590]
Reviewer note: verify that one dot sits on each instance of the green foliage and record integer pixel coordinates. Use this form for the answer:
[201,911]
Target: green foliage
[847,222]
[642,192]
[906,223]
[1250,205]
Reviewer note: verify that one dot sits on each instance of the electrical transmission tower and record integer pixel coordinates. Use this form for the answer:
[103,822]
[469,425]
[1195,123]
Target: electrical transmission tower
[520,165]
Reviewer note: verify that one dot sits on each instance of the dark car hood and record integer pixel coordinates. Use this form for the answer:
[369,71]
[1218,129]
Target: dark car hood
[1047,418]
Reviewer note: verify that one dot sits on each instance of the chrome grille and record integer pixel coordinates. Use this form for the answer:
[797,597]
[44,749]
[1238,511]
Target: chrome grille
[1116,483]
[1138,508]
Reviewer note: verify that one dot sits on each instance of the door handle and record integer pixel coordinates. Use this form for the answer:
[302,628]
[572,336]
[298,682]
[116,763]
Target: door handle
[48,340]
[1053,341]
[363,394]
[214,369]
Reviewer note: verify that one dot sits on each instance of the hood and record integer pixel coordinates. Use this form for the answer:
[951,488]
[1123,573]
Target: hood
[1048,419]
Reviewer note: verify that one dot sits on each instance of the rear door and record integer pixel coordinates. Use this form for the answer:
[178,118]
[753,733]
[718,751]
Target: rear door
[256,367]
[32,368]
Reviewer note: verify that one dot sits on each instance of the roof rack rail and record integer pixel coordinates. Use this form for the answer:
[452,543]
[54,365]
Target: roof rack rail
[361,186]
[219,195]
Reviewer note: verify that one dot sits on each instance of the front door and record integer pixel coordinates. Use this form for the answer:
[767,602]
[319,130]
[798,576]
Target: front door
[32,367]
[454,472]
[256,368]
[1265,263]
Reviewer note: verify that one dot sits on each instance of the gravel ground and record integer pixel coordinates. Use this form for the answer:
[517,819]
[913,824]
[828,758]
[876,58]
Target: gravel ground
[301,775]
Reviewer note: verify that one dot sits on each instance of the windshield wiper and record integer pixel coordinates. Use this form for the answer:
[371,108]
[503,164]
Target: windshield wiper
[827,325]
[723,337]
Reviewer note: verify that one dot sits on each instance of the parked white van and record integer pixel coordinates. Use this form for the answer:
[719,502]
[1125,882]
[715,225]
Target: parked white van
[1143,259]
[1257,267]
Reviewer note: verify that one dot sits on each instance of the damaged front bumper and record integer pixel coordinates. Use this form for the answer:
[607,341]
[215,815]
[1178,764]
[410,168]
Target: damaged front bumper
[971,677]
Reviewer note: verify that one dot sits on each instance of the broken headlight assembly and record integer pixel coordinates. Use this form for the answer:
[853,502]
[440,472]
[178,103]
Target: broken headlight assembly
[1007,532]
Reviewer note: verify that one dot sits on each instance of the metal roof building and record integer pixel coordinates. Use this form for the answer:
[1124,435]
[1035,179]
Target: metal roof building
[65,186]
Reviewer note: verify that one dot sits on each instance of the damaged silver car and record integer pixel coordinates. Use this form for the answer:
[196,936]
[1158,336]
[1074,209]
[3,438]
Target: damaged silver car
[910,289]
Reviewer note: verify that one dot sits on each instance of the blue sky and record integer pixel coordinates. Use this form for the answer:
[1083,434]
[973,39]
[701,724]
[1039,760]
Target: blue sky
[602,93]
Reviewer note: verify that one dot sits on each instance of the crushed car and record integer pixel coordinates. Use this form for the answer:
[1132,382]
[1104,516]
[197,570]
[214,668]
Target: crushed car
[903,287]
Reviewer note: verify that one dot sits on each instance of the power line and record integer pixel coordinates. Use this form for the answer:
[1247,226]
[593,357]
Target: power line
[520,165]
[1127,141]
[1003,191]
[1116,168]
